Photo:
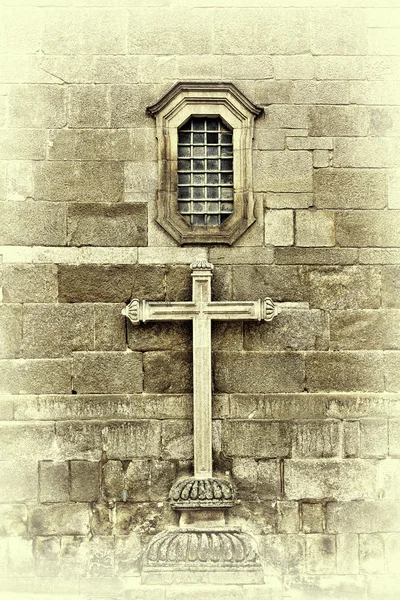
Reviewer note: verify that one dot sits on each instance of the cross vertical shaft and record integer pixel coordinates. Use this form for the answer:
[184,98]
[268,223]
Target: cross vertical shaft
[202,385]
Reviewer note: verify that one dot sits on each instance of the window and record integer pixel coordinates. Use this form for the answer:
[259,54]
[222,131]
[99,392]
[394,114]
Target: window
[204,133]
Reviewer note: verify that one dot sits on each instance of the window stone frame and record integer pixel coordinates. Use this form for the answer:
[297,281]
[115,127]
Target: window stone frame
[208,99]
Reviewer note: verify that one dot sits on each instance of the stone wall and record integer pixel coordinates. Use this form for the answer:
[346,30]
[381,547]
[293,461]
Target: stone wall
[95,413]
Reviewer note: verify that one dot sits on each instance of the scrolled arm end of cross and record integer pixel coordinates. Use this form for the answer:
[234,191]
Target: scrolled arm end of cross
[269,309]
[132,311]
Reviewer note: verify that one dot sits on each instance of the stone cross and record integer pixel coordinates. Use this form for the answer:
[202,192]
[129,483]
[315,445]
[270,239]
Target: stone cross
[201,311]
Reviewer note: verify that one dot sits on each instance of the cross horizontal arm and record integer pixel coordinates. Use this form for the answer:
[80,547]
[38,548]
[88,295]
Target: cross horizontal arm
[142,310]
[229,311]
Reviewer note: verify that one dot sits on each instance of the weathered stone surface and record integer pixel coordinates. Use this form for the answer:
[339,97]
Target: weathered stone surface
[10,331]
[159,336]
[320,92]
[276,92]
[300,142]
[288,516]
[340,67]
[107,372]
[20,557]
[363,517]
[13,519]
[33,439]
[338,31]
[392,371]
[37,106]
[347,553]
[372,228]
[105,283]
[258,372]
[394,437]
[293,67]
[88,106]
[32,223]
[321,158]
[292,330]
[337,288]
[391,286]
[366,152]
[287,200]
[339,121]
[321,553]
[316,439]
[268,480]
[29,283]
[258,439]
[177,440]
[350,188]
[351,439]
[168,372]
[365,330]
[54,481]
[278,282]
[385,120]
[111,225]
[352,479]
[379,256]
[273,29]
[19,480]
[83,181]
[344,371]
[316,256]
[128,105]
[373,92]
[312,586]
[312,519]
[64,519]
[282,171]
[128,551]
[315,228]
[144,518]
[20,181]
[392,551]
[136,439]
[373,438]
[101,144]
[91,31]
[52,330]
[35,376]
[16,144]
[85,481]
[109,327]
[140,177]
[279,227]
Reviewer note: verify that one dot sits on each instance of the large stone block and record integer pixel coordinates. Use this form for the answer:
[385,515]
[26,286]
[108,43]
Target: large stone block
[47,551]
[29,283]
[385,120]
[321,553]
[20,181]
[279,228]
[56,519]
[166,31]
[135,439]
[372,228]
[10,330]
[21,559]
[24,68]
[256,439]
[281,283]
[18,144]
[90,31]
[21,29]
[159,336]
[347,553]
[338,31]
[350,188]
[177,440]
[35,376]
[392,371]
[278,30]
[373,438]
[312,514]
[339,67]
[352,479]
[282,171]
[339,120]
[294,67]
[82,181]
[32,223]
[320,92]
[34,439]
[102,144]
[382,68]
[168,372]
[78,440]
[363,517]
[54,481]
[109,327]
[316,256]
[282,116]
[141,178]
[258,372]
[105,283]
[365,330]
[128,105]
[19,480]
[316,439]
[379,256]
[315,228]
[391,286]
[366,152]
[348,287]
[373,92]
[292,330]
[88,106]
[111,225]
[108,372]
[37,106]
[247,67]
[85,481]
[344,371]
[394,437]
[53,331]
[13,519]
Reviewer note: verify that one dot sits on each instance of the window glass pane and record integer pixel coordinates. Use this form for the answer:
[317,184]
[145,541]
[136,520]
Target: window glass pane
[205,187]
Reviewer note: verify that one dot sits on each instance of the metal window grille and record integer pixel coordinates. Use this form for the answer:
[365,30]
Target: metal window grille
[205,171]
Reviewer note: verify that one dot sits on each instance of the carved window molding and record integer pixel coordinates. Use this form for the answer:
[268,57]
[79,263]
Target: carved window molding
[222,101]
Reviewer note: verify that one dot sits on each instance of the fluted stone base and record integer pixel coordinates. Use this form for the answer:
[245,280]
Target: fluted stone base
[222,555]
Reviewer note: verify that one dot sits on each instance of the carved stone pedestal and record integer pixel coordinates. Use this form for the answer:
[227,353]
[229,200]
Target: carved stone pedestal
[218,555]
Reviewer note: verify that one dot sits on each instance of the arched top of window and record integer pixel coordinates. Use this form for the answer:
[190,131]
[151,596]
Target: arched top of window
[204,132]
